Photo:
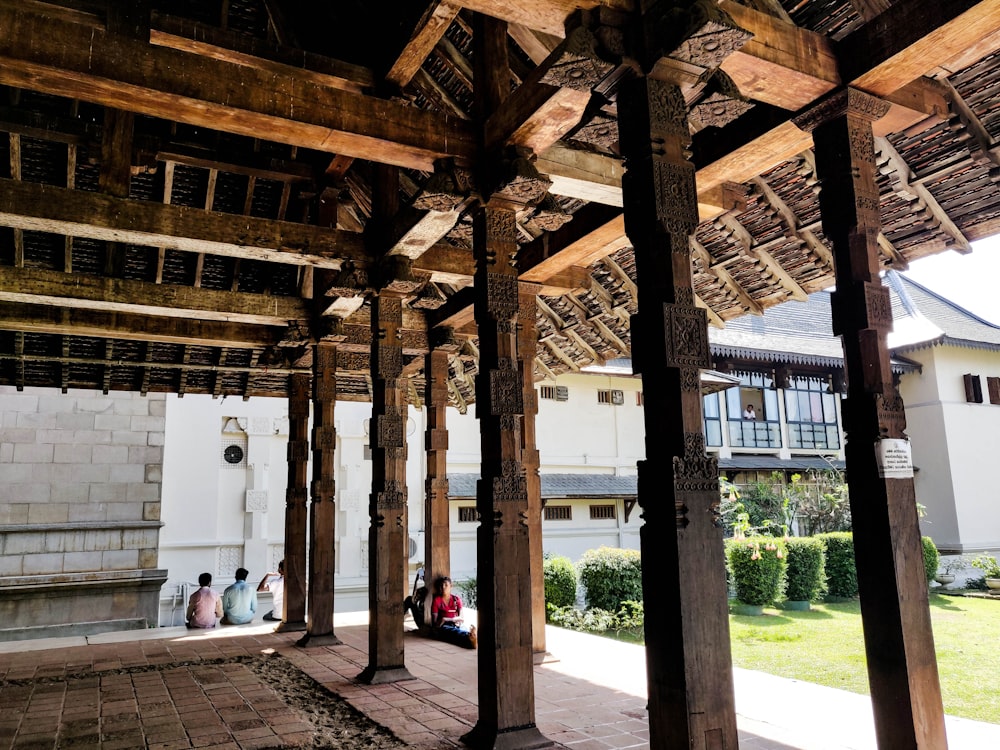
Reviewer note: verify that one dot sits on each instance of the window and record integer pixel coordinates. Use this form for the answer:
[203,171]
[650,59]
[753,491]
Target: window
[639,400]
[713,419]
[602,512]
[753,412]
[973,388]
[558,513]
[615,397]
[811,413]
[994,386]
[604,397]
[467,514]
[555,392]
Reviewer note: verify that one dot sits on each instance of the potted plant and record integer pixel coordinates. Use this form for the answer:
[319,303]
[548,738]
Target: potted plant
[947,570]
[991,570]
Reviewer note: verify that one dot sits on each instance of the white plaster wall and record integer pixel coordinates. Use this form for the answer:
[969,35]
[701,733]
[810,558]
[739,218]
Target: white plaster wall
[207,526]
[953,445]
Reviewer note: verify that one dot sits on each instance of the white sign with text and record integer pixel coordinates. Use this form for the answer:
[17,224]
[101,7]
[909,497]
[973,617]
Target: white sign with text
[895,461]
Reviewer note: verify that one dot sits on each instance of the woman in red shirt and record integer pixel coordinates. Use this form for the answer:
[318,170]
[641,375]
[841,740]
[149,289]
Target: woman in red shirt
[446,616]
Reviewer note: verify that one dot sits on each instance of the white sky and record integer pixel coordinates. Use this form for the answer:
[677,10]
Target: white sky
[971,281]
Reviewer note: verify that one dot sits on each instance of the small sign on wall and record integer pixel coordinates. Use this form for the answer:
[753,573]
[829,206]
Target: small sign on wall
[895,461]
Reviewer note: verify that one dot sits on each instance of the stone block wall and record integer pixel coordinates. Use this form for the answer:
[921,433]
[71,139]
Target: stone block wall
[80,478]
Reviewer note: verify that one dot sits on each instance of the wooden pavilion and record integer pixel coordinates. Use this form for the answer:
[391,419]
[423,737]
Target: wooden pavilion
[313,201]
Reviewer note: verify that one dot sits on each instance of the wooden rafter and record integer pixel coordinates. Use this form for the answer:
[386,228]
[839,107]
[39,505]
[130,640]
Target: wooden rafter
[902,179]
[725,278]
[431,27]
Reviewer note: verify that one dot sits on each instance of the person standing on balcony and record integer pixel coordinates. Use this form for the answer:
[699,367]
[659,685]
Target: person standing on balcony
[749,412]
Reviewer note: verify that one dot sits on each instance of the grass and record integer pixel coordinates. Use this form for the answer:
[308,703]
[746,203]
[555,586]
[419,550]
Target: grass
[826,646]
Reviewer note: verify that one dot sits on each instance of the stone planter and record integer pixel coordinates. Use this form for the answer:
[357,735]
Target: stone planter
[795,606]
[993,584]
[753,610]
[944,579]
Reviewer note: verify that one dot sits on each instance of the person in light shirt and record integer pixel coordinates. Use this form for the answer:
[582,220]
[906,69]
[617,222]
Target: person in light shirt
[205,605]
[275,583]
[239,600]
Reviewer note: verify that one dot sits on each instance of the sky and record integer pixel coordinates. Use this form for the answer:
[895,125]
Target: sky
[971,281]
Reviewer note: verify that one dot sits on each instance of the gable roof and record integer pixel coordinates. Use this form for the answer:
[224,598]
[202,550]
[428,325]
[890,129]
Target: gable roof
[923,318]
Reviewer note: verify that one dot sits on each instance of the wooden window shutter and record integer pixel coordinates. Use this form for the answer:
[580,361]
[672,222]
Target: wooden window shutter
[973,389]
[994,387]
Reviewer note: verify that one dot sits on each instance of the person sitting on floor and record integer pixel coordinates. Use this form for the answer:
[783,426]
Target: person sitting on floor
[416,605]
[239,600]
[446,616]
[205,605]
[275,583]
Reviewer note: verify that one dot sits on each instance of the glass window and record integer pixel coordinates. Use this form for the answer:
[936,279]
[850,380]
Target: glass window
[713,420]
[753,412]
[812,414]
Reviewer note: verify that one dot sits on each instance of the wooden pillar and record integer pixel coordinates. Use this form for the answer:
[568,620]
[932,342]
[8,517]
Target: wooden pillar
[689,668]
[437,534]
[322,512]
[387,535]
[294,615]
[506,678]
[527,346]
[902,668]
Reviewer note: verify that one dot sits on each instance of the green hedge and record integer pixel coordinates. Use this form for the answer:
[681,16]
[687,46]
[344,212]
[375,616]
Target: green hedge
[841,570]
[611,576]
[758,568]
[931,557]
[560,581]
[806,574]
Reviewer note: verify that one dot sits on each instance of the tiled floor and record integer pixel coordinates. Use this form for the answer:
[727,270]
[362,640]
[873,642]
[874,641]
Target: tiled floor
[171,688]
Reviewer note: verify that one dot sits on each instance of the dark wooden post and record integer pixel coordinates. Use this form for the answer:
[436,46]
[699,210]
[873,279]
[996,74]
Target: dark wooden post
[294,616]
[527,346]
[691,697]
[322,512]
[437,534]
[387,535]
[506,679]
[503,575]
[902,669]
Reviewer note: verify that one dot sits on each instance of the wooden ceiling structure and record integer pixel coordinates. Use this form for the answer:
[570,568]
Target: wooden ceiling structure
[186,187]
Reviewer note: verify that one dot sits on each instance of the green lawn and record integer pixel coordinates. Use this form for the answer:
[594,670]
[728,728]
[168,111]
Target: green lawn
[825,646]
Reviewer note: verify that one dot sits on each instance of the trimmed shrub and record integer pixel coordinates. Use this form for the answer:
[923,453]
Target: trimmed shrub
[841,570]
[931,557]
[560,581]
[470,592]
[626,623]
[758,567]
[806,574]
[611,576]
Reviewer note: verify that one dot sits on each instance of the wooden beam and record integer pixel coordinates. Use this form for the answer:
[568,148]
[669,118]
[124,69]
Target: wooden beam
[912,38]
[76,62]
[725,278]
[242,49]
[43,287]
[782,64]
[582,175]
[79,213]
[148,365]
[548,16]
[782,276]
[431,27]
[68,321]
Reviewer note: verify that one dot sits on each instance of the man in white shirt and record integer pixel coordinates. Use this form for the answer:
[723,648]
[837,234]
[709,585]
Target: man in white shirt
[275,583]
[749,412]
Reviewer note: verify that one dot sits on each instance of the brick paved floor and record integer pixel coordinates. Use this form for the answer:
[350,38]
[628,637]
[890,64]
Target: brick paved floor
[171,688]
